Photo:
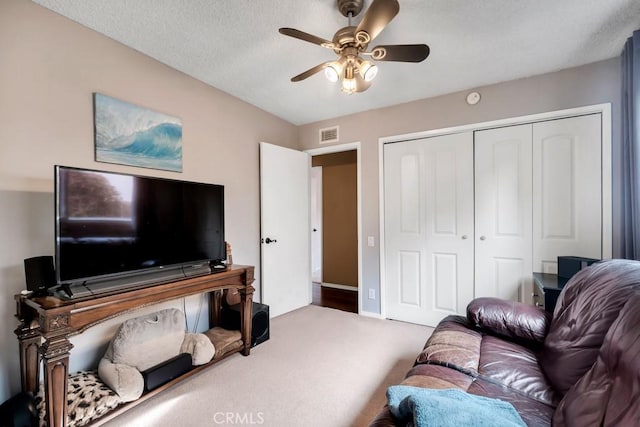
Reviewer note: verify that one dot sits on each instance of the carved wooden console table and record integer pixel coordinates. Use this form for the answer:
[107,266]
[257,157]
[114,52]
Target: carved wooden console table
[48,322]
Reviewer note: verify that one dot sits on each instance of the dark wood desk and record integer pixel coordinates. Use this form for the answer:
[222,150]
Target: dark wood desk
[48,322]
[550,286]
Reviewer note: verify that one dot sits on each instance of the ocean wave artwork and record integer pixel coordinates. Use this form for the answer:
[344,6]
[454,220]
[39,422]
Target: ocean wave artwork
[127,134]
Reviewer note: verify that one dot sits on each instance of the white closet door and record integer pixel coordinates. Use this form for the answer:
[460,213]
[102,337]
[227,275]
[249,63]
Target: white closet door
[503,208]
[567,190]
[428,208]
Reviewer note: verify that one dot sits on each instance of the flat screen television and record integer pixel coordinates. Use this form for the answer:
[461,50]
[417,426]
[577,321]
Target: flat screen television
[112,225]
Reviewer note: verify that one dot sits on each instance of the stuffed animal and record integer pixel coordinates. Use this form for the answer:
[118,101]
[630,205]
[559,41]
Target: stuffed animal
[144,342]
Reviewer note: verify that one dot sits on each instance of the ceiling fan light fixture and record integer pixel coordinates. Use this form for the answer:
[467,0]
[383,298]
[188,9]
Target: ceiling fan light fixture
[368,70]
[349,85]
[332,73]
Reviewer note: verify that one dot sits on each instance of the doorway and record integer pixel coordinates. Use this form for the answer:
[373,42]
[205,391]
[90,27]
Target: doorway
[335,231]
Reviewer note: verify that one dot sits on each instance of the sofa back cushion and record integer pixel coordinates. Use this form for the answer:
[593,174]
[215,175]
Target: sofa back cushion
[586,309]
[609,393]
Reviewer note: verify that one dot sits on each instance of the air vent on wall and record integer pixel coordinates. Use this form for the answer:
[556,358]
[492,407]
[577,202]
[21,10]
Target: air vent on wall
[329,135]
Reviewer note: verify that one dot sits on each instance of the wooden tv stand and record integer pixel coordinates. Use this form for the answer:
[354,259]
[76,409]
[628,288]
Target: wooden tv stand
[48,322]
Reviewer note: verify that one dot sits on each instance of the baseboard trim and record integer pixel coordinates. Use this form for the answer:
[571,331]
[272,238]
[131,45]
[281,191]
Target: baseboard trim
[337,286]
[371,314]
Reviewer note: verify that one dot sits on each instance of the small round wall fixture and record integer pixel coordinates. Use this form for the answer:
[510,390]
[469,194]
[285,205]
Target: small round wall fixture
[473,98]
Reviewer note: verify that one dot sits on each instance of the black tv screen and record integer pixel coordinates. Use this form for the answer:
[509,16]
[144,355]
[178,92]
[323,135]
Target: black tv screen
[111,224]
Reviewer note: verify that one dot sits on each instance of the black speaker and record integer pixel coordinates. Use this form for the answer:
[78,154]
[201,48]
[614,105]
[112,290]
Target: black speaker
[39,273]
[570,265]
[259,321]
[164,372]
[19,411]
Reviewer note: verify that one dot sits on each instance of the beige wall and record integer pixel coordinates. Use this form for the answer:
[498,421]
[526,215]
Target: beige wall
[49,68]
[587,85]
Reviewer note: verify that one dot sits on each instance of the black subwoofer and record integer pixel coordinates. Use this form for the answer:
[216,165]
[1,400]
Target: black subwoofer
[259,321]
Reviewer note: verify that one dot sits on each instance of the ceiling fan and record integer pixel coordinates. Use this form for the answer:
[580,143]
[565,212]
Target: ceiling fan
[350,44]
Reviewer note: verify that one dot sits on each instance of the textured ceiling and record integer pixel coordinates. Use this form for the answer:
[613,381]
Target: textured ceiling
[235,46]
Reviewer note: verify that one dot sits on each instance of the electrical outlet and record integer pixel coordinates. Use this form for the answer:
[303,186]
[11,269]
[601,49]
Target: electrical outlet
[371,241]
[372,294]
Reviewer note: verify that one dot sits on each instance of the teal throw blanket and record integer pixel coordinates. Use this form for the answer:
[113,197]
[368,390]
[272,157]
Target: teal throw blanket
[449,407]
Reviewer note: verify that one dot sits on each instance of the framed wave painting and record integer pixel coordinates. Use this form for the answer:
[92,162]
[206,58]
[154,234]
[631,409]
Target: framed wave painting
[127,134]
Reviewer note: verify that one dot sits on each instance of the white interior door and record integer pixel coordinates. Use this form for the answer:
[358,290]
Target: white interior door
[503,204]
[567,190]
[284,221]
[428,208]
[316,224]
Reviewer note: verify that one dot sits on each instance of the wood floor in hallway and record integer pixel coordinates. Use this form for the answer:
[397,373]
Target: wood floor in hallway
[335,298]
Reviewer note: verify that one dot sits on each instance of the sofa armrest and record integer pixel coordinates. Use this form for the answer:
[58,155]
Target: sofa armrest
[384,419]
[510,319]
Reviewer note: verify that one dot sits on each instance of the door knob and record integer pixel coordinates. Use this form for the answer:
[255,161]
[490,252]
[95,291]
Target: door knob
[269,240]
[464,237]
[483,238]
[314,230]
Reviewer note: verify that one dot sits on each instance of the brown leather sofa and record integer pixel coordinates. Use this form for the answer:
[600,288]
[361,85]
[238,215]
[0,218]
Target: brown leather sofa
[579,367]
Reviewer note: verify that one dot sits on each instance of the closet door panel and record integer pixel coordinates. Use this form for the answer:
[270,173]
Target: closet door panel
[428,208]
[567,190]
[503,211]
[449,220]
[404,207]
[404,228]
[409,284]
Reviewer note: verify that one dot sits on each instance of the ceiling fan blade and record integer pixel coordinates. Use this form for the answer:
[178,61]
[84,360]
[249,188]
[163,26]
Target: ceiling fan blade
[301,35]
[379,14]
[310,72]
[401,52]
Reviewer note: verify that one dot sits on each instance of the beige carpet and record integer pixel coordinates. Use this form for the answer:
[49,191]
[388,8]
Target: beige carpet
[321,367]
